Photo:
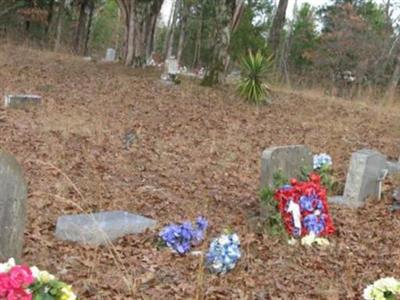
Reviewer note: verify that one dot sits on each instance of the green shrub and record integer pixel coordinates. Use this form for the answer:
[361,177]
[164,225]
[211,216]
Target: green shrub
[254,70]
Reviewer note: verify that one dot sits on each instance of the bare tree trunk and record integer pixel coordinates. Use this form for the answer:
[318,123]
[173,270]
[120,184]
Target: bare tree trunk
[139,22]
[60,22]
[80,30]
[169,31]
[277,26]
[49,18]
[173,27]
[89,28]
[228,14]
[182,33]
[197,48]
[395,79]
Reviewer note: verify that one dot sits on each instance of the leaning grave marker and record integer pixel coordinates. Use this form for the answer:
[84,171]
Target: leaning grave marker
[13,194]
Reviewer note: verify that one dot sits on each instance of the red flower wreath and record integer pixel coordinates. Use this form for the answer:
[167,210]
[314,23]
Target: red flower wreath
[311,198]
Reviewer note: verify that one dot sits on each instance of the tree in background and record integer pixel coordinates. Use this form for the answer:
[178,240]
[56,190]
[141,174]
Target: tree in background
[275,33]
[227,18]
[139,17]
[304,39]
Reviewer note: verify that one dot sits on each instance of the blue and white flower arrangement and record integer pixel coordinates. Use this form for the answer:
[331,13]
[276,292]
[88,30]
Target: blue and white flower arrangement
[223,254]
[322,160]
[181,237]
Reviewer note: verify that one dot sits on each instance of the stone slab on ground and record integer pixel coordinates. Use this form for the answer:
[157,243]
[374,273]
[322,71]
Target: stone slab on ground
[100,228]
[287,159]
[13,194]
[21,101]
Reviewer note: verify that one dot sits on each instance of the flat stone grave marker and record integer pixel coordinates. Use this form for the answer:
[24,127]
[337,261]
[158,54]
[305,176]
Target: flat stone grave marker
[100,228]
[110,54]
[13,194]
[363,178]
[286,159]
[21,101]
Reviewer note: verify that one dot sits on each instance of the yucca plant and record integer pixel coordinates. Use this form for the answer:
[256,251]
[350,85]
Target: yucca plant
[252,85]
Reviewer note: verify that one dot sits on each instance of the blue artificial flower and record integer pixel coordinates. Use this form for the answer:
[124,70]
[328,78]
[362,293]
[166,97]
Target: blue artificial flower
[223,254]
[321,160]
[181,237]
[306,203]
[315,224]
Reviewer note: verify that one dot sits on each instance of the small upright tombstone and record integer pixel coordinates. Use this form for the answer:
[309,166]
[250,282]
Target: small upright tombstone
[289,160]
[110,54]
[363,178]
[13,194]
[286,159]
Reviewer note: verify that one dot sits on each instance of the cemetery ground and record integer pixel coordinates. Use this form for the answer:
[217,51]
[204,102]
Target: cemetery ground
[108,137]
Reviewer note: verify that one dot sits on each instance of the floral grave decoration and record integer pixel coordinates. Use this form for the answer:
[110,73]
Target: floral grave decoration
[223,254]
[181,237]
[321,161]
[383,289]
[322,165]
[19,282]
[303,206]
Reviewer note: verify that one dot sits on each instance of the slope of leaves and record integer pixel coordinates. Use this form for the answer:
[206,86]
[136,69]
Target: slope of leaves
[197,152]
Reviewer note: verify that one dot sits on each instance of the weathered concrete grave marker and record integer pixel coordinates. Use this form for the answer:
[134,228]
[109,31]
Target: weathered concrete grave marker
[100,228]
[110,54]
[366,171]
[13,193]
[289,160]
[171,71]
[21,101]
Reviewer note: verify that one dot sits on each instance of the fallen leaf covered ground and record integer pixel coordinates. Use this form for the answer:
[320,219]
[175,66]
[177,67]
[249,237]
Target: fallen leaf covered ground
[195,151]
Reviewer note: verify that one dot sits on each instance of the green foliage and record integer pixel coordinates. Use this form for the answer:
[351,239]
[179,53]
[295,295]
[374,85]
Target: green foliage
[254,70]
[304,38]
[274,224]
[105,26]
[325,172]
[51,290]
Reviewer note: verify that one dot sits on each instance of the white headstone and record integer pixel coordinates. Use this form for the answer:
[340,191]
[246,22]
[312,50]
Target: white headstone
[172,66]
[110,54]
[20,101]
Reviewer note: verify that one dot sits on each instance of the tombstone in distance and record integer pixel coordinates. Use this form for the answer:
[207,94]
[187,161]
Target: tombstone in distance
[13,194]
[21,101]
[286,159]
[363,178]
[100,228]
[110,54]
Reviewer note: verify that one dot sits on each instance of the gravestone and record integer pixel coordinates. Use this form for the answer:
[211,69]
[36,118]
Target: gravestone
[100,228]
[364,177]
[286,159]
[21,101]
[110,54]
[13,193]
[393,167]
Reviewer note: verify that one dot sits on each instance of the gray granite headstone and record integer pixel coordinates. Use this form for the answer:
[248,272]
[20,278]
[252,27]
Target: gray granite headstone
[393,167]
[13,194]
[362,181]
[287,159]
[21,101]
[100,228]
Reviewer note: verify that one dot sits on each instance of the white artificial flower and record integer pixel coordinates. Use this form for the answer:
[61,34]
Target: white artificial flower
[235,238]
[35,272]
[292,241]
[367,294]
[67,293]
[4,268]
[223,240]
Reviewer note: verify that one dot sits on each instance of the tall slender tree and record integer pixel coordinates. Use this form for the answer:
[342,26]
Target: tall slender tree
[278,23]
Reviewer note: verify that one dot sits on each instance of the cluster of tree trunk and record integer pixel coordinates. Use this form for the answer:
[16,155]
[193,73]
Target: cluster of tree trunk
[227,14]
[140,18]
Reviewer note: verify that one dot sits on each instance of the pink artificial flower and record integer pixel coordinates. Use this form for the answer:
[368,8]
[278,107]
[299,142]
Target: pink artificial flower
[4,284]
[19,294]
[20,276]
